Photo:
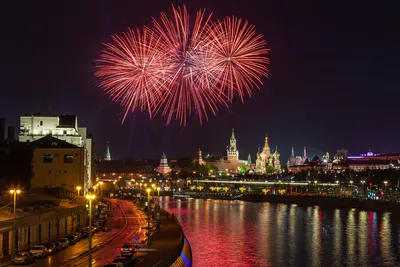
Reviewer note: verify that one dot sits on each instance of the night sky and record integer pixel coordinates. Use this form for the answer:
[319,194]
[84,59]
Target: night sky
[334,76]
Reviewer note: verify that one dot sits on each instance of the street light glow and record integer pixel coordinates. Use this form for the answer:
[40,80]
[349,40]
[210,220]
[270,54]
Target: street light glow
[148,190]
[16,191]
[90,196]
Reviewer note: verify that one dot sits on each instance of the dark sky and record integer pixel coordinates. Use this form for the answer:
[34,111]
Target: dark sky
[334,75]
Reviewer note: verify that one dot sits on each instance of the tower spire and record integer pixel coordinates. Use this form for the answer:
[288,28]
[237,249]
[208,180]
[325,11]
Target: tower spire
[305,153]
[108,154]
[266,141]
[200,157]
[292,152]
[233,133]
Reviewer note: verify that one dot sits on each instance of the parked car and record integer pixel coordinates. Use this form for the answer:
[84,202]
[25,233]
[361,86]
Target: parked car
[100,226]
[51,248]
[39,251]
[58,245]
[78,236]
[71,239]
[23,258]
[83,233]
[127,250]
[95,227]
[123,261]
[64,242]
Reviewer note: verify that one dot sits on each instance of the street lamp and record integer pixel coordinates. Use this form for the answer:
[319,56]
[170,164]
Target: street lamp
[158,198]
[14,241]
[363,189]
[79,189]
[90,197]
[385,182]
[101,191]
[148,216]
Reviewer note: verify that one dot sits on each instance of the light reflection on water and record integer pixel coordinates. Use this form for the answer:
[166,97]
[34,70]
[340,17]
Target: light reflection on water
[235,233]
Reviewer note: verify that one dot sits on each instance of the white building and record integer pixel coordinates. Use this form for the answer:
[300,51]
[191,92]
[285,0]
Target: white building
[163,168]
[36,126]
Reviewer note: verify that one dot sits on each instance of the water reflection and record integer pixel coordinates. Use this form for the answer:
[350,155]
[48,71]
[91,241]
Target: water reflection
[234,233]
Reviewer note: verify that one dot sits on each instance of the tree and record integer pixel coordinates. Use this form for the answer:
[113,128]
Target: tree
[270,169]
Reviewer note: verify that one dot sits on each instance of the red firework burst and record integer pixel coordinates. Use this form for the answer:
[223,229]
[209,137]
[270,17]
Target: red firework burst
[182,67]
[239,56]
[131,71]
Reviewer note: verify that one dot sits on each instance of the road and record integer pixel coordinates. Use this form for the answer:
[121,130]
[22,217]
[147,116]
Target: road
[69,257]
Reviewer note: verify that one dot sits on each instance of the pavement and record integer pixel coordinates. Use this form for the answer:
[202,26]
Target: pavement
[164,242]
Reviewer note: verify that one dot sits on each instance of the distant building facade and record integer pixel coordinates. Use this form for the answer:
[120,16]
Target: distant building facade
[35,127]
[57,163]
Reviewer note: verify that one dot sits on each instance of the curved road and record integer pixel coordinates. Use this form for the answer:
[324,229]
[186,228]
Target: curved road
[70,257]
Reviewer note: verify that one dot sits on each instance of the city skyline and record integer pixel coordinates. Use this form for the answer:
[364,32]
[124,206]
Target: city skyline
[324,72]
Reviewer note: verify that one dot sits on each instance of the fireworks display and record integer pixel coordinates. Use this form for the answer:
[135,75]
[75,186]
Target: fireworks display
[183,66]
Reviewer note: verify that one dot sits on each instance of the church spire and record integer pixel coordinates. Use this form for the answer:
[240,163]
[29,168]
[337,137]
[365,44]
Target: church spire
[305,153]
[200,158]
[266,141]
[108,154]
[292,152]
[233,134]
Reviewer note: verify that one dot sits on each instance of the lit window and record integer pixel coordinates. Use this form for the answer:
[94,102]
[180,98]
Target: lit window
[68,158]
[47,158]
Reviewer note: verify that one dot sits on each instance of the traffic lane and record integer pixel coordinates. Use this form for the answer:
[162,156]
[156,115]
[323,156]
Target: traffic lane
[136,221]
[106,254]
[73,251]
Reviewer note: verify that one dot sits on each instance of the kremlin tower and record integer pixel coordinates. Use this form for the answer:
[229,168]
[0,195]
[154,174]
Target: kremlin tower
[107,156]
[163,168]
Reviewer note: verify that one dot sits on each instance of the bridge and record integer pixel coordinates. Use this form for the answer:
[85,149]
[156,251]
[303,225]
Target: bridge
[258,182]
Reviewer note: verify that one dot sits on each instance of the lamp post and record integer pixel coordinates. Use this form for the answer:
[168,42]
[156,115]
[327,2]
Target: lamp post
[79,189]
[148,216]
[14,241]
[101,190]
[363,189]
[158,197]
[385,182]
[90,197]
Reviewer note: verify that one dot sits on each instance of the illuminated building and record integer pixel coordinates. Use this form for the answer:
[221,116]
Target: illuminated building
[297,160]
[229,163]
[36,126]
[265,158]
[57,164]
[163,168]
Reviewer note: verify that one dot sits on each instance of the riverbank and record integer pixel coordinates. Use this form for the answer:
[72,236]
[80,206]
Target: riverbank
[322,201]
[169,246]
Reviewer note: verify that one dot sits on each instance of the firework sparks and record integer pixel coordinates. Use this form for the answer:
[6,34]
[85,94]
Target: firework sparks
[180,66]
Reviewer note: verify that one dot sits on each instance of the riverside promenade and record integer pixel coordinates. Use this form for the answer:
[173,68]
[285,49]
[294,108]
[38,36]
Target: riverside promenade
[166,246]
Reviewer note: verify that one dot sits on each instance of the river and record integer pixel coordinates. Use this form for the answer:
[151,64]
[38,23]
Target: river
[237,233]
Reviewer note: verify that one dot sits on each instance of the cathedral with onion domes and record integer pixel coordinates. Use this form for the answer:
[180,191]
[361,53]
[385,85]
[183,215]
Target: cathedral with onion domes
[267,162]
